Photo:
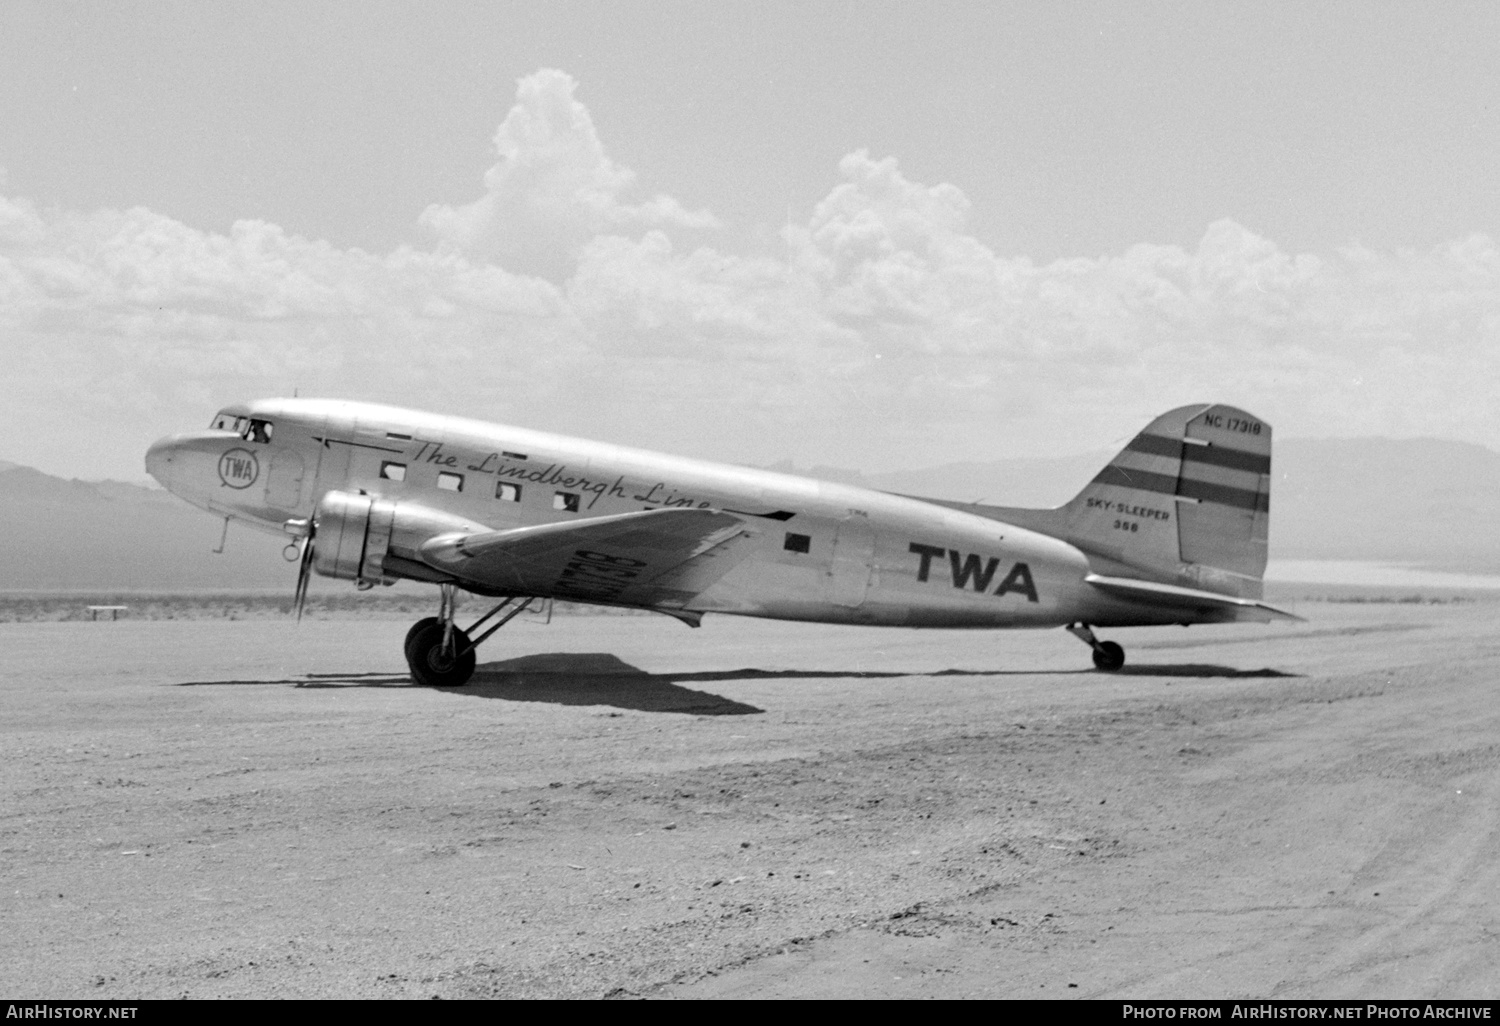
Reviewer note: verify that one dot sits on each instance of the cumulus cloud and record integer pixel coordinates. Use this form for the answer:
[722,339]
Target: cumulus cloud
[553,189]
[884,310]
[879,332]
[117,316]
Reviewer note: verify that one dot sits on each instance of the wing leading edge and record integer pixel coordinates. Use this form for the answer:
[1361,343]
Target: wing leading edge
[660,558]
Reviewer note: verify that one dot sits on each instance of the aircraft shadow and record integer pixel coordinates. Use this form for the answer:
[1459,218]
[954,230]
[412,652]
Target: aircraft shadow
[1197,670]
[313,680]
[601,678]
[594,678]
[561,679]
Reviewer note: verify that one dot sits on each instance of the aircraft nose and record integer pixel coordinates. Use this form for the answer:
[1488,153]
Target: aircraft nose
[159,461]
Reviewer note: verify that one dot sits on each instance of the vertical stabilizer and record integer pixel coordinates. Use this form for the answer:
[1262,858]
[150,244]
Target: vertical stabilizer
[1188,498]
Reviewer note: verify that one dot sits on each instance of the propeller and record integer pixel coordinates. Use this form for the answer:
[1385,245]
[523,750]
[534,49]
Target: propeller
[304,529]
[304,574]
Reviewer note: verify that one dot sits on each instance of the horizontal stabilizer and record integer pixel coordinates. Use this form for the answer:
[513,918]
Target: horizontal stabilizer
[1173,595]
[655,557]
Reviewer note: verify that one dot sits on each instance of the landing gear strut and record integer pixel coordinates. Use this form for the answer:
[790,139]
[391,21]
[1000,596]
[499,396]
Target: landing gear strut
[1108,656]
[439,652]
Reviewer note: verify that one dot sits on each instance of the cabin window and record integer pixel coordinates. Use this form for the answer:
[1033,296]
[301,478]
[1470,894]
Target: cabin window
[450,482]
[398,436]
[507,492]
[514,455]
[798,542]
[565,501]
[393,471]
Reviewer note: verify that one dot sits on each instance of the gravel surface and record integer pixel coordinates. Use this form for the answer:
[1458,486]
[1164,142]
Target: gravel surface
[621,806]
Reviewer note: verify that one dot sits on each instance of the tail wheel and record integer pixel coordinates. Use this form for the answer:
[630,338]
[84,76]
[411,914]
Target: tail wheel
[1109,656]
[435,666]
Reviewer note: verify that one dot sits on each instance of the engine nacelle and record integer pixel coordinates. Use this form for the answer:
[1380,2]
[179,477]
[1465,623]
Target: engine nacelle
[354,533]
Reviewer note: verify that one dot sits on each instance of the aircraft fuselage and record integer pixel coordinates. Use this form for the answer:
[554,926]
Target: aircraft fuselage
[817,550]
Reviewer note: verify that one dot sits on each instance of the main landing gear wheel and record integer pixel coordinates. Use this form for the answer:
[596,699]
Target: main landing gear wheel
[1109,656]
[435,664]
[440,653]
[416,629]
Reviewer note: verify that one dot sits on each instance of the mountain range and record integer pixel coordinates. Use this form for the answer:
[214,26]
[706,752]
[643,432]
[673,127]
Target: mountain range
[1421,501]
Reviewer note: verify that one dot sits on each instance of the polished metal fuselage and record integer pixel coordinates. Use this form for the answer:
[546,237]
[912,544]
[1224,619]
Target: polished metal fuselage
[870,557]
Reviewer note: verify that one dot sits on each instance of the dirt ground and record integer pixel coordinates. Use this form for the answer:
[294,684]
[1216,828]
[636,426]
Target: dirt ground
[621,806]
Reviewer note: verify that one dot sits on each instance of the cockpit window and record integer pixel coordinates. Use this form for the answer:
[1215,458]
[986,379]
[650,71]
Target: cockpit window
[251,429]
[246,428]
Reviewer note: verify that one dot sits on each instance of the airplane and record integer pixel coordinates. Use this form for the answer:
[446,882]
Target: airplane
[1172,531]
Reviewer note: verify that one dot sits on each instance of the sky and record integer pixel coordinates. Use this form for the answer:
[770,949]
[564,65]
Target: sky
[868,235]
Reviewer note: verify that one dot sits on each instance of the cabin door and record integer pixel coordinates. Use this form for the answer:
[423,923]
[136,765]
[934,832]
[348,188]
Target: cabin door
[853,553]
[284,482]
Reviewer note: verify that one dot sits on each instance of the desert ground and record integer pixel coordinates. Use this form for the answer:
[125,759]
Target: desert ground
[621,806]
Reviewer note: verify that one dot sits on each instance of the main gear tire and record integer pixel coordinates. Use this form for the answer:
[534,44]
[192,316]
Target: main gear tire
[416,628]
[434,667]
[1109,656]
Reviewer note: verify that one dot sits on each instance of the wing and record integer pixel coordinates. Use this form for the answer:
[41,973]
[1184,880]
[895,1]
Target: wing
[659,557]
[1189,598]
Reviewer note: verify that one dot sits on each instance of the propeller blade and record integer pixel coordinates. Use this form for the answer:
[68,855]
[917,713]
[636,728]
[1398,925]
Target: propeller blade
[304,574]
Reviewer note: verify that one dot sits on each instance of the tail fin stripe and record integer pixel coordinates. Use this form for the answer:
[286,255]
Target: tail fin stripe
[1231,459]
[1156,445]
[1213,455]
[1164,484]
[1239,498]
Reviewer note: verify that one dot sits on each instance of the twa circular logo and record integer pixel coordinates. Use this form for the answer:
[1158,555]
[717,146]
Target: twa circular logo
[238,468]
